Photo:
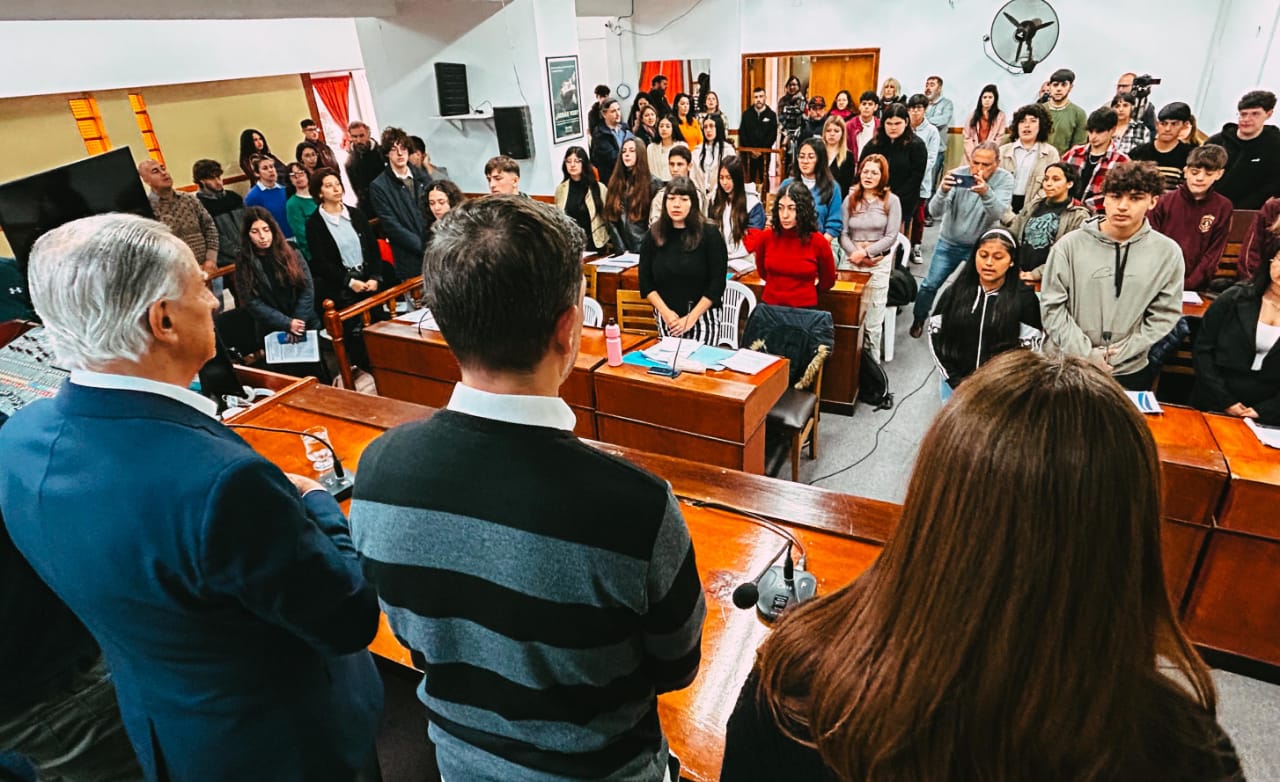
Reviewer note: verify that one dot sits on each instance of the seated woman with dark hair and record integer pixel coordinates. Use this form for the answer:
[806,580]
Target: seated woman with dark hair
[985,311]
[274,285]
[792,256]
[1047,217]
[1237,352]
[630,191]
[441,196]
[734,208]
[947,659]
[683,263]
[581,197]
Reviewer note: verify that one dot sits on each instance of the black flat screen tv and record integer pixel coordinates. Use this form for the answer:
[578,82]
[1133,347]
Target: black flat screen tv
[41,202]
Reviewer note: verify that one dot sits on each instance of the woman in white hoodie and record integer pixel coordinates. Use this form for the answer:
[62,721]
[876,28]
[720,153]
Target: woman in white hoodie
[735,209]
[713,149]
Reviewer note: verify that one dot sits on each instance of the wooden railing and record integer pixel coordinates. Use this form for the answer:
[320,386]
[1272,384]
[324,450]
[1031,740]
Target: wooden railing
[335,318]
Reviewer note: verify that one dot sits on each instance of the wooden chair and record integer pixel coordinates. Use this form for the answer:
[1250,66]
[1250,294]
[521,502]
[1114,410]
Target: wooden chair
[590,273]
[1229,264]
[335,318]
[809,428]
[635,313]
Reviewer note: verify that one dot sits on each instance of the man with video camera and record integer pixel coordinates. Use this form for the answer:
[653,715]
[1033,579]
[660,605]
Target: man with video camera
[1140,86]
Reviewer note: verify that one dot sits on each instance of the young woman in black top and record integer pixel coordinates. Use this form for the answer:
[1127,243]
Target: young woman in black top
[1237,352]
[982,313]
[683,263]
[274,285]
[345,263]
[1026,557]
[582,197]
[253,143]
[630,192]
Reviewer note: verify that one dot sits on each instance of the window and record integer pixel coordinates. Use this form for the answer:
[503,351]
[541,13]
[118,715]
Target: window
[149,139]
[89,123]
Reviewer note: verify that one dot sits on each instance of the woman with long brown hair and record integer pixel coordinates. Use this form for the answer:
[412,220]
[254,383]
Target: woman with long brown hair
[274,285]
[1017,624]
[629,194]
[872,215]
[734,208]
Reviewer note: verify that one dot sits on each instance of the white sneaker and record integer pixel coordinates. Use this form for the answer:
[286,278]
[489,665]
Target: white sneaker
[915,255]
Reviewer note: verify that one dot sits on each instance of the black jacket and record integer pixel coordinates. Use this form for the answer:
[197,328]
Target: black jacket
[362,168]
[906,168]
[1223,354]
[605,150]
[400,216]
[1253,166]
[758,129]
[275,303]
[330,276]
[978,341]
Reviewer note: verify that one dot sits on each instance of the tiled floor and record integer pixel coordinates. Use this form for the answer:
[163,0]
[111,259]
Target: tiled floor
[872,452]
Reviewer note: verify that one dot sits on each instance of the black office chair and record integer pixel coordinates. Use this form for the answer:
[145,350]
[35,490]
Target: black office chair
[805,337]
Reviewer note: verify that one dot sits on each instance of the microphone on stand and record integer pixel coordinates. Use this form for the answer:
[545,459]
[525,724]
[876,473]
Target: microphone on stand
[777,587]
[342,484]
[748,592]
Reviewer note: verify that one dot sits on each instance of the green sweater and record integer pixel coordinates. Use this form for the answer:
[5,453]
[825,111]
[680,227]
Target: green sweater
[298,209]
[1068,126]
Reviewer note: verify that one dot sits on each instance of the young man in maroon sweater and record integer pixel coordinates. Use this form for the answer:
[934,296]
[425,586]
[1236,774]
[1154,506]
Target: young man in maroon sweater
[1195,216]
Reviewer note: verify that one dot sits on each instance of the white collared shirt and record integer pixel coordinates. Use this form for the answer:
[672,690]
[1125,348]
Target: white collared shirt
[83,377]
[264,188]
[336,219]
[548,411]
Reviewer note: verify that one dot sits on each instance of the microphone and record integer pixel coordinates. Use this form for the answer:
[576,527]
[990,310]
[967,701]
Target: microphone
[342,484]
[778,586]
[748,592]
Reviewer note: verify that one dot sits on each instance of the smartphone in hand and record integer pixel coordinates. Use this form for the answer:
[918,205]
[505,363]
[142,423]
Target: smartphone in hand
[964,180]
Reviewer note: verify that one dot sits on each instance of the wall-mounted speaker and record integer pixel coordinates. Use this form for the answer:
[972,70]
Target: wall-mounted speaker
[451,89]
[515,131]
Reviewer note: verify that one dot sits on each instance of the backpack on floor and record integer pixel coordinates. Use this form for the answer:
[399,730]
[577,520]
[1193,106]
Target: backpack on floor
[873,384]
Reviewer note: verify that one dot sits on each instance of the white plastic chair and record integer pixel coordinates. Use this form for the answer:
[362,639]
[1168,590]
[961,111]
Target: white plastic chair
[891,313]
[592,312]
[738,300]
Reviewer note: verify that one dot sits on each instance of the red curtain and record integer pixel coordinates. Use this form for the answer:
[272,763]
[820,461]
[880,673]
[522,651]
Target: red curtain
[674,70]
[333,92]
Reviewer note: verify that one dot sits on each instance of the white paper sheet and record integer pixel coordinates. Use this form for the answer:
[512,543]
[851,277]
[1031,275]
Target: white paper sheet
[422,316]
[1145,402]
[281,351]
[1191,297]
[1267,435]
[750,362]
[623,261]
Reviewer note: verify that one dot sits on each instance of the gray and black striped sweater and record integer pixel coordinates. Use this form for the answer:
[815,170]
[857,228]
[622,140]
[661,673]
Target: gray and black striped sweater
[547,590]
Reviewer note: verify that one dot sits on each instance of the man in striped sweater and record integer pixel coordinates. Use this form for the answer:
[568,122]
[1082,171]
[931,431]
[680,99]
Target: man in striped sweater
[547,590]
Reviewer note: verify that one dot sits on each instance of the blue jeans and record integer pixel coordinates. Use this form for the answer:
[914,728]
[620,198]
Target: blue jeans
[946,257]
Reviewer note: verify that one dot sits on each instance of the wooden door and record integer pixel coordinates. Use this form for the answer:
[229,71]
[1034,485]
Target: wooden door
[854,71]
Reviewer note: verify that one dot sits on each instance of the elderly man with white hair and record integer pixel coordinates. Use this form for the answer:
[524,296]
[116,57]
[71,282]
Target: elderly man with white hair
[226,596]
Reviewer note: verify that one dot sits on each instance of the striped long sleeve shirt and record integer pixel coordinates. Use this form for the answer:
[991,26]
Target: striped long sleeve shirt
[547,591]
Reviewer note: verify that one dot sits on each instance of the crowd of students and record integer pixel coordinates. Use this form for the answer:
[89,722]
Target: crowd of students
[1139,182]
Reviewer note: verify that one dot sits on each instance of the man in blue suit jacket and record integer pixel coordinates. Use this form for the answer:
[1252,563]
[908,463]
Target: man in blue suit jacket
[232,611]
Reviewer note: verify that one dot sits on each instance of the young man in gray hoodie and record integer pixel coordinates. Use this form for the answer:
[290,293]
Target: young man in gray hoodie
[1114,288]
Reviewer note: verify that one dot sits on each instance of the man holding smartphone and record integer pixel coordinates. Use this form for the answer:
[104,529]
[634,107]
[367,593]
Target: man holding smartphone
[969,200]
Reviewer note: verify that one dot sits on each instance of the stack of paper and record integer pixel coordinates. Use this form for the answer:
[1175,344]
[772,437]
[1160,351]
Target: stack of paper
[742,265]
[616,263]
[1267,435]
[665,351]
[749,362]
[1191,297]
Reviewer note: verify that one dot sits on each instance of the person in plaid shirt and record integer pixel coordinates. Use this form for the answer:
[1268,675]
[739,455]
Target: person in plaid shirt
[1130,130]
[1096,157]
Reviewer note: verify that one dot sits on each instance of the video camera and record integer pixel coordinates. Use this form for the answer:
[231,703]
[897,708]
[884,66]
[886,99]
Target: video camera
[792,116]
[1142,85]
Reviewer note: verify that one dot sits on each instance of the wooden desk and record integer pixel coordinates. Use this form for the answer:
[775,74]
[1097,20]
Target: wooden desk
[843,535]
[716,418]
[1194,477]
[420,367]
[844,302]
[1235,603]
[608,283]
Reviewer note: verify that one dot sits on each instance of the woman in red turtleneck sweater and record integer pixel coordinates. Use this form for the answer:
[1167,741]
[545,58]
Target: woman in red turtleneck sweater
[792,254]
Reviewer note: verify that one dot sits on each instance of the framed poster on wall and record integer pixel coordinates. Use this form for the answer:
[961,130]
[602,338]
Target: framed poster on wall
[566,105]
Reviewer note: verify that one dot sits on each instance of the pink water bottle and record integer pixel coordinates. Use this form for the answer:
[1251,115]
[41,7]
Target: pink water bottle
[613,343]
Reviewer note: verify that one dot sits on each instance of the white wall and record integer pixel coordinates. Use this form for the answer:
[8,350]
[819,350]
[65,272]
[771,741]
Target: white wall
[594,42]
[916,39]
[503,48]
[42,58]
